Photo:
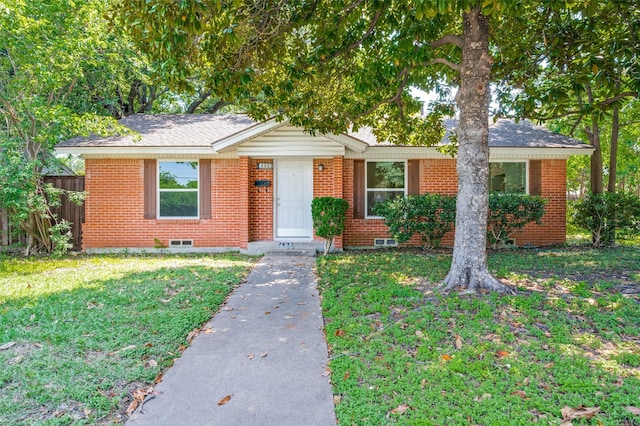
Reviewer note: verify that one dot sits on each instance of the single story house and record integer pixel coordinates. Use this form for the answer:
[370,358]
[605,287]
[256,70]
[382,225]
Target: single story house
[226,182]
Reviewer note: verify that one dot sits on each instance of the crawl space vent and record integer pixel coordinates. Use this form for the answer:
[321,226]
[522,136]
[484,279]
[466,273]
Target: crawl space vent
[385,242]
[180,243]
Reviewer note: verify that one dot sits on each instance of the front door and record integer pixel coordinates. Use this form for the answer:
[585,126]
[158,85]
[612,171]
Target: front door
[294,193]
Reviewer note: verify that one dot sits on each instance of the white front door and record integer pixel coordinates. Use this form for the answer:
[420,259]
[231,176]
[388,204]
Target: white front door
[294,192]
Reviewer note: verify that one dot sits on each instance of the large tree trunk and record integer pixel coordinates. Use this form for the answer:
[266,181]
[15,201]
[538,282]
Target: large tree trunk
[469,270]
[593,132]
[613,155]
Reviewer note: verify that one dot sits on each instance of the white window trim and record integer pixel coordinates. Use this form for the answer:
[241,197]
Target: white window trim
[197,216]
[366,183]
[526,172]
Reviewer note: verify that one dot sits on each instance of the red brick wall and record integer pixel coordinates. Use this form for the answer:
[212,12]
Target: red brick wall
[114,215]
[358,232]
[242,212]
[554,227]
[261,202]
[439,176]
[328,182]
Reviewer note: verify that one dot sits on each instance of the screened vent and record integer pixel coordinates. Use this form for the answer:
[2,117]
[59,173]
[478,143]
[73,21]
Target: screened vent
[180,243]
[385,242]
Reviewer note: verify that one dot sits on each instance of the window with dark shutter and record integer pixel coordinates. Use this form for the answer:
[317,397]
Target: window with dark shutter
[535,177]
[150,189]
[205,189]
[413,169]
[358,189]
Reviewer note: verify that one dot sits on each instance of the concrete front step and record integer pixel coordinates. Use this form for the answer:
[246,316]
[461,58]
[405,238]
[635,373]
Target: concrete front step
[290,252]
[284,248]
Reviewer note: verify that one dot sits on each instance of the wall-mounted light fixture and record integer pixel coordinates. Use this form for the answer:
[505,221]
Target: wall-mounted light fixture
[320,167]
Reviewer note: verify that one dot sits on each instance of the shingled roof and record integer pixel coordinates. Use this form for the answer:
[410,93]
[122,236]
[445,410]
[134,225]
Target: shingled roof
[163,130]
[193,130]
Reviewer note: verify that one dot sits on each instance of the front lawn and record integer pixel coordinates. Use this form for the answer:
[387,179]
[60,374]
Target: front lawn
[403,353]
[79,335]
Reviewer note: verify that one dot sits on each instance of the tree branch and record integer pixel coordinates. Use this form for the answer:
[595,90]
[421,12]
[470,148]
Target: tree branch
[618,97]
[448,39]
[446,62]
[195,104]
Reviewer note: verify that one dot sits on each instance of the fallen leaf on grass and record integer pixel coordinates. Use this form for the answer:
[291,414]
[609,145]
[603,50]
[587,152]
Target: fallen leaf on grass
[502,354]
[126,348]
[544,386]
[224,400]
[483,397]
[7,346]
[152,363]
[633,410]
[580,412]
[458,342]
[522,394]
[337,399]
[346,375]
[400,409]
[549,365]
[340,333]
[419,333]
[446,357]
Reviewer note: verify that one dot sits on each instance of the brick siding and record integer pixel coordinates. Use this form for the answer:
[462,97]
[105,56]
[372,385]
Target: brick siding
[242,212]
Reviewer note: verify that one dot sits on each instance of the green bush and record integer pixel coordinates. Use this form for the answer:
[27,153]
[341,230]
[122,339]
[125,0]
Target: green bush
[430,215]
[608,216]
[328,214]
[509,213]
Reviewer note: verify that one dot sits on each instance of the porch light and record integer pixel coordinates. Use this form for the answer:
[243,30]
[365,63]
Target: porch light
[320,167]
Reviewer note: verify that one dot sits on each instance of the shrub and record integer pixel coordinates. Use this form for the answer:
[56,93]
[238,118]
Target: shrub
[608,216]
[430,215]
[509,213]
[328,214]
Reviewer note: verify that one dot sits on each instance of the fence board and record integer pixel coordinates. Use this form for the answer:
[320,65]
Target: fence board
[68,210]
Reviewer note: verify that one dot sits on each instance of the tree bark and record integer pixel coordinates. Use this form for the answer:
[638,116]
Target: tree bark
[469,270]
[613,155]
[593,132]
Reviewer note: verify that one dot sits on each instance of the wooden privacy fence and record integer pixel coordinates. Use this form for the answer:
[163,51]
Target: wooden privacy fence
[67,210]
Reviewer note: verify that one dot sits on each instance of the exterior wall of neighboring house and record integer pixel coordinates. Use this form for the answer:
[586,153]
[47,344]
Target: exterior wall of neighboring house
[241,212]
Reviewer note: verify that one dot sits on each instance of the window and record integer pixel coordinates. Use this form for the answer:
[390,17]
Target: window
[385,180]
[508,178]
[178,189]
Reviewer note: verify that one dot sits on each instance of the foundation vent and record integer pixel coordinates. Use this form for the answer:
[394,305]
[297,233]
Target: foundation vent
[385,242]
[180,243]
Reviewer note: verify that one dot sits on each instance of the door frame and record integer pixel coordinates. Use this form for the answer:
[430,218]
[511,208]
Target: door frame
[277,162]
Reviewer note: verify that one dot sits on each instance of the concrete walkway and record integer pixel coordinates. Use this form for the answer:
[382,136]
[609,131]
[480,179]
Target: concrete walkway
[266,349]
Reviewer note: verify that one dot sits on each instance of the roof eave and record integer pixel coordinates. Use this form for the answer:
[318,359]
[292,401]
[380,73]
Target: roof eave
[245,135]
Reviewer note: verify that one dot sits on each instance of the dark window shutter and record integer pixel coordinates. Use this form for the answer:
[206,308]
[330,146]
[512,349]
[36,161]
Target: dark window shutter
[535,177]
[414,177]
[358,189]
[150,189]
[204,186]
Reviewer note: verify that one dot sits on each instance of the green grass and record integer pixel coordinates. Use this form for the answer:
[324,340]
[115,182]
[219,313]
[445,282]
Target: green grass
[91,329]
[569,337]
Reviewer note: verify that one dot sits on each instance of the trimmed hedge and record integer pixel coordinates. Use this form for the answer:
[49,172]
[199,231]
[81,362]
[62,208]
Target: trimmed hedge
[431,216]
[328,214]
